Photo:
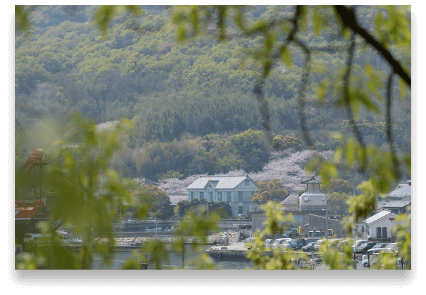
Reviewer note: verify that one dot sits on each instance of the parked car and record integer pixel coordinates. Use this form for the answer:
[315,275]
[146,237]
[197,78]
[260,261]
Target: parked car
[280,242]
[363,248]
[357,243]
[308,248]
[392,247]
[318,244]
[268,243]
[377,248]
[373,260]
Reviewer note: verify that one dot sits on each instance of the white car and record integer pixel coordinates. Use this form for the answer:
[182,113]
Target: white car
[268,243]
[373,260]
[280,242]
[392,247]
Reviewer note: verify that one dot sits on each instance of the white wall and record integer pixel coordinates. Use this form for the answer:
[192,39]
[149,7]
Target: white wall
[384,222]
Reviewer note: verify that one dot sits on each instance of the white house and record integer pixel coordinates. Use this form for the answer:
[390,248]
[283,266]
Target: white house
[313,199]
[379,225]
[233,189]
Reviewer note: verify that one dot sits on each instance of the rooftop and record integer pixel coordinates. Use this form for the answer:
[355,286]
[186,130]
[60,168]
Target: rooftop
[378,216]
[291,199]
[404,191]
[221,182]
[394,204]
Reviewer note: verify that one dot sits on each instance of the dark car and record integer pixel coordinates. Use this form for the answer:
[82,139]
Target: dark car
[363,248]
[308,248]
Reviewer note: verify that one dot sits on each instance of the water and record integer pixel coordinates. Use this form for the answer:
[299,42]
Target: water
[175,261]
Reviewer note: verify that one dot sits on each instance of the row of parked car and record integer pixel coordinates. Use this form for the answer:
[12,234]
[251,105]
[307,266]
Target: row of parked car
[374,247]
[359,246]
[312,245]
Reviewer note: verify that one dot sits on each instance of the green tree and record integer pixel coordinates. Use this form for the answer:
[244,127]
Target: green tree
[161,207]
[289,141]
[80,201]
[340,186]
[269,191]
[252,147]
[171,174]
[338,202]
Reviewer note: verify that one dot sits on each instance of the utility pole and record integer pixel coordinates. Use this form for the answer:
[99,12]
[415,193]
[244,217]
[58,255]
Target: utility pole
[353,193]
[326,222]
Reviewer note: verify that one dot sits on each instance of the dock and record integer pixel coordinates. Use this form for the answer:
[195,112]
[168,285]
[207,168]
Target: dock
[236,251]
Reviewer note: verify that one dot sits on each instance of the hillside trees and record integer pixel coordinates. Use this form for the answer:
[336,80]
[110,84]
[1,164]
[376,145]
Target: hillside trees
[212,153]
[199,87]
[251,147]
[363,52]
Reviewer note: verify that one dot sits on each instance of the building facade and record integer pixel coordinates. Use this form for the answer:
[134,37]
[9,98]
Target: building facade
[313,199]
[379,225]
[236,190]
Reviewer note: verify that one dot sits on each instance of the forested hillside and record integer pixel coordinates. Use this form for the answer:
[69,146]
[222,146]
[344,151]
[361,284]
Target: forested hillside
[192,104]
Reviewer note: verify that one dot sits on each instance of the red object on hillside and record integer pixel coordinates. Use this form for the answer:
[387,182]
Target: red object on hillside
[29,209]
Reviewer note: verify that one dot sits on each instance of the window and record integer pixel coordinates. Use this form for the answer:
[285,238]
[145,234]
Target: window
[384,232]
[201,195]
[240,209]
[219,196]
[191,196]
[378,233]
[240,196]
[211,196]
[246,182]
[228,196]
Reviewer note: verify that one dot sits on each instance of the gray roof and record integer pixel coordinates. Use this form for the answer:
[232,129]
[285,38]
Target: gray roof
[378,216]
[223,182]
[394,204]
[401,192]
[291,199]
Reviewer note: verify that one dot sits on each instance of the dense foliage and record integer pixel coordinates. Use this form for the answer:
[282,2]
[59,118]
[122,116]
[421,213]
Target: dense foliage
[269,191]
[222,209]
[174,92]
[159,201]
[326,75]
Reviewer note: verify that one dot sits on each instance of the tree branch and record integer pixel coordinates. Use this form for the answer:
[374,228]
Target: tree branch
[348,105]
[348,18]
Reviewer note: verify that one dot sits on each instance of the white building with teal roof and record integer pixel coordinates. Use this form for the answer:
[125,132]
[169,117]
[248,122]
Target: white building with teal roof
[236,190]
